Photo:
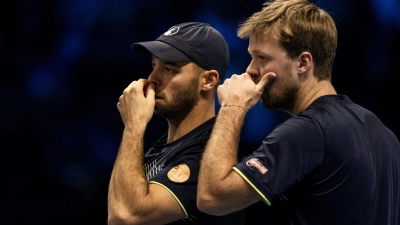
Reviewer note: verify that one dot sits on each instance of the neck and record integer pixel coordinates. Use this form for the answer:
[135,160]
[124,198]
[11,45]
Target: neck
[202,112]
[309,92]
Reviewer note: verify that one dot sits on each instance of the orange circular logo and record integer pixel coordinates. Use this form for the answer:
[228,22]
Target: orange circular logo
[179,174]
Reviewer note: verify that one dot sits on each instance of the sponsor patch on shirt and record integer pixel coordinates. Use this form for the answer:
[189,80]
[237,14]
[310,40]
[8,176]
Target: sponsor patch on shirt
[179,174]
[254,162]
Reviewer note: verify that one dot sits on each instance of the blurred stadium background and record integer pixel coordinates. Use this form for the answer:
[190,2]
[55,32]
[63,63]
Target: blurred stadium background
[64,65]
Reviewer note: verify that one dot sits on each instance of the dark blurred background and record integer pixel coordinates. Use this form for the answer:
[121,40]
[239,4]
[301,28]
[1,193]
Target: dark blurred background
[64,65]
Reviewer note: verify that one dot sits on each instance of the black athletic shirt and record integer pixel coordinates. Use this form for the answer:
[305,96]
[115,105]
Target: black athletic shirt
[168,166]
[335,163]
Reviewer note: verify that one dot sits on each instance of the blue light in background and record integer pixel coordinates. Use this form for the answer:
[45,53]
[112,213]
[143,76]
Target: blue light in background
[80,14]
[103,146]
[41,84]
[49,79]
[71,47]
[387,12]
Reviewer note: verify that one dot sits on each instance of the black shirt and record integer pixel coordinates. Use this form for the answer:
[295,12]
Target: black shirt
[335,163]
[176,165]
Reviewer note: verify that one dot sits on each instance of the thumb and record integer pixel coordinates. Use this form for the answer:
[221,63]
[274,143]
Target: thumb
[264,81]
[150,93]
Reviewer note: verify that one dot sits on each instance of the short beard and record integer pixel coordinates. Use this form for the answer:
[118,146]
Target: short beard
[282,97]
[283,101]
[183,101]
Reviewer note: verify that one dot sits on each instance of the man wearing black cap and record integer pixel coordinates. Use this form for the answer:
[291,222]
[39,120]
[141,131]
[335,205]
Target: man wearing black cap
[159,186]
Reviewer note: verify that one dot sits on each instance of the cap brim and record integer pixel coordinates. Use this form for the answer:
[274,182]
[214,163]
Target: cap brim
[161,50]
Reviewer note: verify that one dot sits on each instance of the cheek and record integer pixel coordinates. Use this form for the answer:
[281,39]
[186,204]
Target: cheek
[279,83]
[171,88]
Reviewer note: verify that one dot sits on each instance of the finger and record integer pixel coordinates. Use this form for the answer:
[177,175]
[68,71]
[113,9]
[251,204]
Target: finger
[264,81]
[139,84]
[150,92]
[144,85]
[129,86]
[247,76]
[233,76]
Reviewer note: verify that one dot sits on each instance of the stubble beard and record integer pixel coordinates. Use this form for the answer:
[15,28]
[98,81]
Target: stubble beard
[182,102]
[283,95]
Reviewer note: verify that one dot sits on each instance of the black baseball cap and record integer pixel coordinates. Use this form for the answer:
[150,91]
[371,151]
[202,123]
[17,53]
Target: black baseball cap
[191,41]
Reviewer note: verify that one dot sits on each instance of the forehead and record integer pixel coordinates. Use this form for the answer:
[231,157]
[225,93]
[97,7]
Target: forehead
[259,45]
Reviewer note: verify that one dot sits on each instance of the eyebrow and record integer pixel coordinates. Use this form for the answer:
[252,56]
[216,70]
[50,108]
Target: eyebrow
[256,51]
[170,63]
[167,63]
[268,56]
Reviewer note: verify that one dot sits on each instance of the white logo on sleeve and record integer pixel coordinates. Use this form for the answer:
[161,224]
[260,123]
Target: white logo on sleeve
[260,167]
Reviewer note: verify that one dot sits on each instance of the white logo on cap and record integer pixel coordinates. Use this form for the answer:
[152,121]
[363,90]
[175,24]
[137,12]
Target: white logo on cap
[173,30]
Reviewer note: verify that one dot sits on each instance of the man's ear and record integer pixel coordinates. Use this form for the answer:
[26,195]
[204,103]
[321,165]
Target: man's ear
[305,60]
[210,79]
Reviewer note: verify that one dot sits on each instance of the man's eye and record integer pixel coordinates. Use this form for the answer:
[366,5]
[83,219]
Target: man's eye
[169,70]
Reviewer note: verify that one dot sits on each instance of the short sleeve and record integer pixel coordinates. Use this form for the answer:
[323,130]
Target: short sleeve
[180,178]
[286,156]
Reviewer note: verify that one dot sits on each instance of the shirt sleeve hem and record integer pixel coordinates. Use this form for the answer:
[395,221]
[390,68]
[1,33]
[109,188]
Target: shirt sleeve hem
[172,193]
[265,199]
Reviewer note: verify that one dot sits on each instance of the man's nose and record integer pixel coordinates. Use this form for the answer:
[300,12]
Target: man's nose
[153,78]
[252,71]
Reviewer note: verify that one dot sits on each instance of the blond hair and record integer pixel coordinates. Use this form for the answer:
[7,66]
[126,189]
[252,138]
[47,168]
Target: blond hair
[299,26]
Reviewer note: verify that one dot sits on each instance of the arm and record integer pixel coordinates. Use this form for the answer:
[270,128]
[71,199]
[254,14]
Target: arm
[221,190]
[131,200]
